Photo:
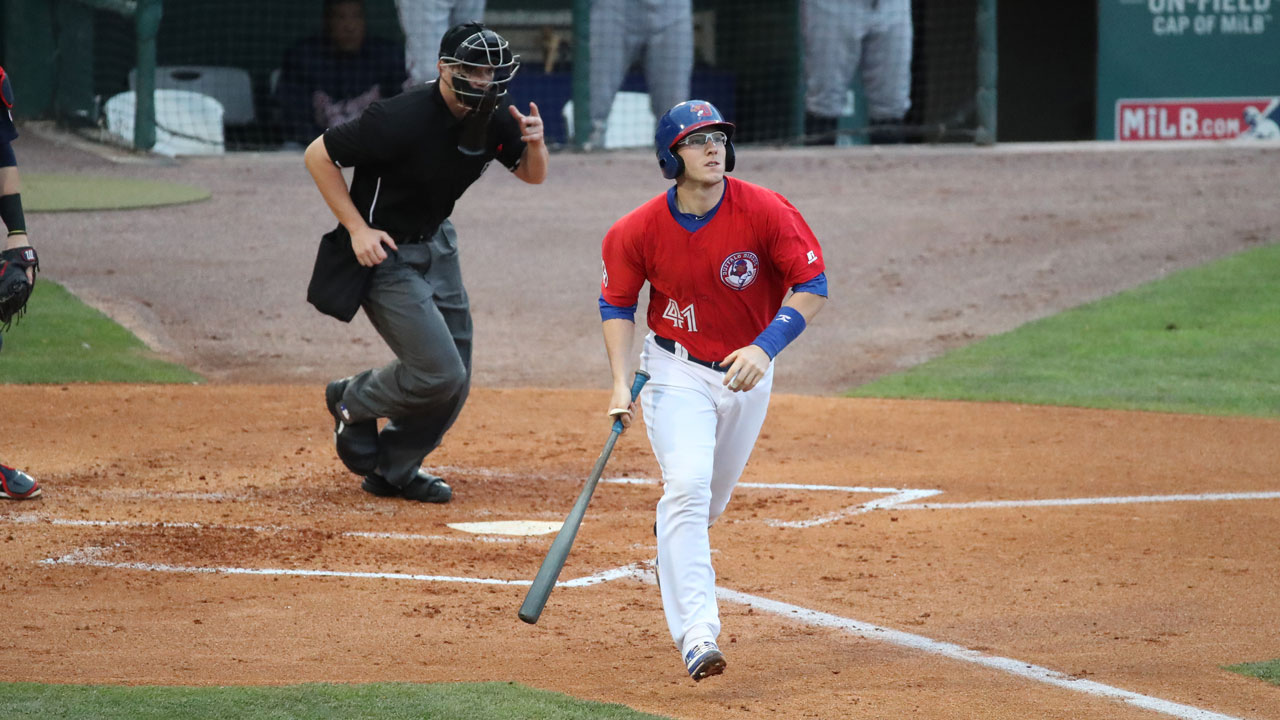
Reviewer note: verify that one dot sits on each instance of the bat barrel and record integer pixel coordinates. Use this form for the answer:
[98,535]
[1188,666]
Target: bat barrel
[553,563]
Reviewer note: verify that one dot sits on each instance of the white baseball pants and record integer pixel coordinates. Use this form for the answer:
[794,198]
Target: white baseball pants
[702,435]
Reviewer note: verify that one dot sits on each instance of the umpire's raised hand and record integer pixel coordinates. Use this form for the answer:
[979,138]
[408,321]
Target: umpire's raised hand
[530,125]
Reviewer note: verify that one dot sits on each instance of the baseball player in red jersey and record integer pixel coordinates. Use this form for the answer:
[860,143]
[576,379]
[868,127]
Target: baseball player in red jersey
[720,257]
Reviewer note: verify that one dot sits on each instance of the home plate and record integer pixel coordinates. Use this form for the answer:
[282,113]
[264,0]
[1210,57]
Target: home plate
[508,527]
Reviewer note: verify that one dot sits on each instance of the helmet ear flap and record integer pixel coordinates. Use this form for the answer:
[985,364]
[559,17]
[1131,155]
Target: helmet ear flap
[671,164]
[728,157]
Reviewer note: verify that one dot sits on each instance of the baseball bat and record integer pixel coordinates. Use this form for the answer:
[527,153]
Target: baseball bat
[553,563]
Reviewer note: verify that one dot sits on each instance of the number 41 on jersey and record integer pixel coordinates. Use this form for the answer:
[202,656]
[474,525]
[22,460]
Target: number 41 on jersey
[681,316]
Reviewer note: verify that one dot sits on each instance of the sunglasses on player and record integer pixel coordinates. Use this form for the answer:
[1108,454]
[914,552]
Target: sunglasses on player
[700,139]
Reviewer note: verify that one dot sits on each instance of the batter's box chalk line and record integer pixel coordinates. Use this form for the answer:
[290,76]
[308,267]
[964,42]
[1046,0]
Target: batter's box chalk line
[894,497]
[96,557]
[37,519]
[905,499]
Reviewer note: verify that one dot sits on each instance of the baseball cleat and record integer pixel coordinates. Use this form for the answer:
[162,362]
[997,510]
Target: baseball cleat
[704,660]
[357,442]
[17,485]
[425,487]
[375,484]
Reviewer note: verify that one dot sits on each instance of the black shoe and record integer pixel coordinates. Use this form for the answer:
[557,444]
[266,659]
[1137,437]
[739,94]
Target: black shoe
[424,487]
[819,129]
[375,484]
[886,132]
[357,443]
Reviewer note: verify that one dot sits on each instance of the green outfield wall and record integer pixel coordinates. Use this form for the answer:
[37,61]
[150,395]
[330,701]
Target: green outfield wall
[1179,70]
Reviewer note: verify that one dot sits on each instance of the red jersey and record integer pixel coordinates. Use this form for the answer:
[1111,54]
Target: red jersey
[715,289]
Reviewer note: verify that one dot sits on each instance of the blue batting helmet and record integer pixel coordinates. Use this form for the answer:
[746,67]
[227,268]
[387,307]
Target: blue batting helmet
[681,120]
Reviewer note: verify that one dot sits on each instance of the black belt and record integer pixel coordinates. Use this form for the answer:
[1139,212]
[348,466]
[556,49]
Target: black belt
[670,346]
[414,238]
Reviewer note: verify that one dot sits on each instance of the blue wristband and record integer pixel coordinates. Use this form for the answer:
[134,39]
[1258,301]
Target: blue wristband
[786,326]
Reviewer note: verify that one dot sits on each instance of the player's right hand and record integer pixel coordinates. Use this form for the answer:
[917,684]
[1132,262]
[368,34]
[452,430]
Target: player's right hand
[747,366]
[621,406]
[367,244]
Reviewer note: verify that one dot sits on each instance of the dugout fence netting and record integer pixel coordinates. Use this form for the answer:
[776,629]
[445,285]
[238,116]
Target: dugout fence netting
[222,78]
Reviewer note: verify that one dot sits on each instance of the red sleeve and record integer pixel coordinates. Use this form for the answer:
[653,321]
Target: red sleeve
[796,251]
[623,267]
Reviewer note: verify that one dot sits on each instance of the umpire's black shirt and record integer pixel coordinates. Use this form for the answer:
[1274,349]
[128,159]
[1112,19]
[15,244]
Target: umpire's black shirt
[408,169]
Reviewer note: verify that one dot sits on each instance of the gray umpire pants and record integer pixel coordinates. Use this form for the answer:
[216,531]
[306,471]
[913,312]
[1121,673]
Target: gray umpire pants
[418,305]
[620,30]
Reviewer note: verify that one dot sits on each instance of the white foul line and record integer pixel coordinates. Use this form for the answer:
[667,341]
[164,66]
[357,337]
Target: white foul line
[1123,500]
[92,557]
[963,654]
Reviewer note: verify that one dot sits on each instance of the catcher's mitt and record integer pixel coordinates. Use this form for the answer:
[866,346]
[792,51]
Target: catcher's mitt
[15,288]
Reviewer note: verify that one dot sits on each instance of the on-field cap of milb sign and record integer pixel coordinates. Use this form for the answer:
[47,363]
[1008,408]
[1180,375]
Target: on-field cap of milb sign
[1190,69]
[1199,119]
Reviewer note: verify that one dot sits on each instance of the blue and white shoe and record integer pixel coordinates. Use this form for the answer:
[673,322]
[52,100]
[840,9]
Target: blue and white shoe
[704,660]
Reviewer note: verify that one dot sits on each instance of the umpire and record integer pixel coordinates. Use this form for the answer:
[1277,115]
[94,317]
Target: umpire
[413,156]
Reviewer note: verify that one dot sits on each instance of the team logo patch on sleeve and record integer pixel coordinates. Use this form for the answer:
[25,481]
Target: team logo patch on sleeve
[740,270]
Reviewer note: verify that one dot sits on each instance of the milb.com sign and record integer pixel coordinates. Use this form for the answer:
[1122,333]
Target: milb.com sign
[1189,119]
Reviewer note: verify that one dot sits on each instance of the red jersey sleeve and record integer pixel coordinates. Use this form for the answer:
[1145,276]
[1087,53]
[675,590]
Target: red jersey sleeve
[624,273]
[796,251]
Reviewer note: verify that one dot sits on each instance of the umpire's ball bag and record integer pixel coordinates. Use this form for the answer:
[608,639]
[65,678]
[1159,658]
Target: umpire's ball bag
[338,281]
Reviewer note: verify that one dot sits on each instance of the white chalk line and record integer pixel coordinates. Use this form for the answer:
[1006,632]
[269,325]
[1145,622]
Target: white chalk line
[93,557]
[895,497]
[1121,500]
[963,654]
[903,501]
[162,525]
[891,501]
[769,486]
[897,500]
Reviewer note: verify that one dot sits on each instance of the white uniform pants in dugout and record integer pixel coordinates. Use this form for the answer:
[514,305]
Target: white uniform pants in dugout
[702,434]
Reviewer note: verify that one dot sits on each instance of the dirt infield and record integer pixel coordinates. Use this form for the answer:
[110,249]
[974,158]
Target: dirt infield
[1147,597]
[882,559]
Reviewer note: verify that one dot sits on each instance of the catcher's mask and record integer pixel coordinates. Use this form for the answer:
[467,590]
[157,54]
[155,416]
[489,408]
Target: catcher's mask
[473,50]
[679,121]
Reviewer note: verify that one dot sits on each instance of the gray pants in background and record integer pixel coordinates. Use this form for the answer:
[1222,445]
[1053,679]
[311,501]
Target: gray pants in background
[418,305]
[845,36]
[424,23]
[620,30]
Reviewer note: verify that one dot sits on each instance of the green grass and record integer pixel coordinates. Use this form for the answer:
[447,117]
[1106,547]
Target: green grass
[1268,670]
[62,340]
[1204,340]
[383,701]
[43,192]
